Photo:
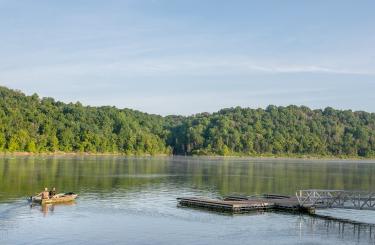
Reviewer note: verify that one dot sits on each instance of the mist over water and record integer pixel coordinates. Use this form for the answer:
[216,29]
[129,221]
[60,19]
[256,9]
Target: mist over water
[133,200]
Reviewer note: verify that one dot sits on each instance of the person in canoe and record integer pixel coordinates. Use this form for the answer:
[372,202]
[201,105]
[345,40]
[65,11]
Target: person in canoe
[44,194]
[52,193]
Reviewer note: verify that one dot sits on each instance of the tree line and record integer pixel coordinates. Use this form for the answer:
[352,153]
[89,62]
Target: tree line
[34,124]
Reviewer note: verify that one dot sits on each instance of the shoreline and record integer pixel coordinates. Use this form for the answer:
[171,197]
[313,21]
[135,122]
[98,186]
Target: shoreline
[234,157]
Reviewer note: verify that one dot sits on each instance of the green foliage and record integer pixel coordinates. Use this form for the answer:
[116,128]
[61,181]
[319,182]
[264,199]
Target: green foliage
[2,141]
[31,147]
[288,130]
[31,124]
[28,123]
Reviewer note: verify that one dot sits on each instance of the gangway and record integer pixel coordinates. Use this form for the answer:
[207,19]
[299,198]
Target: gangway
[316,198]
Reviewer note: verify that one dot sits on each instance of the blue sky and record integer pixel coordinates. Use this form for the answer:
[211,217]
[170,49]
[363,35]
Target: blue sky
[184,57]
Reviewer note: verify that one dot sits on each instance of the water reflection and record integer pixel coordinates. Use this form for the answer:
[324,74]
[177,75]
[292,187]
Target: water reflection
[24,176]
[138,195]
[345,230]
[47,209]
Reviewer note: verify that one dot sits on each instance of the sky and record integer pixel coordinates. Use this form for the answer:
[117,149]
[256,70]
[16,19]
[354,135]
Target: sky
[190,56]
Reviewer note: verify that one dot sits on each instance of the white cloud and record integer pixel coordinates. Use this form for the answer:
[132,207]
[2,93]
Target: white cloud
[168,66]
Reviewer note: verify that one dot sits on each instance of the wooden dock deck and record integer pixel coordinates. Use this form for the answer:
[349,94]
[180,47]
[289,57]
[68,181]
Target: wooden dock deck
[239,204]
[225,205]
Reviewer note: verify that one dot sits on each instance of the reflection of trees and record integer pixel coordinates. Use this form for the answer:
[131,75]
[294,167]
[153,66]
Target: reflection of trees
[25,176]
[250,177]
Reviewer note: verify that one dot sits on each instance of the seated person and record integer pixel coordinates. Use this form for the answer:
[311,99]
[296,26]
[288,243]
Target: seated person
[44,194]
[52,192]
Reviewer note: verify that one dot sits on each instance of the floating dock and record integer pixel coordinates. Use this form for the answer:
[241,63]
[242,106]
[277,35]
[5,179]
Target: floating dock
[240,204]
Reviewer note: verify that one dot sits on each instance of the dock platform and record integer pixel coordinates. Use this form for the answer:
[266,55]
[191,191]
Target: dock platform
[240,204]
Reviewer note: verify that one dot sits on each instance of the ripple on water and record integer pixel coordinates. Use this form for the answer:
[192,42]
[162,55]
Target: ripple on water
[130,200]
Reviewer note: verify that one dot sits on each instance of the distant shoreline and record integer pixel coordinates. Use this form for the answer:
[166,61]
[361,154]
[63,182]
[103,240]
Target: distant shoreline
[33,124]
[243,157]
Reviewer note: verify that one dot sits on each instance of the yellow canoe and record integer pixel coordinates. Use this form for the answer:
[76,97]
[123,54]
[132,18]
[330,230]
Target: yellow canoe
[62,197]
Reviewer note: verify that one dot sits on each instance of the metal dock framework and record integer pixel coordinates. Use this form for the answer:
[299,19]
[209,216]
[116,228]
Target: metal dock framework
[336,199]
[305,201]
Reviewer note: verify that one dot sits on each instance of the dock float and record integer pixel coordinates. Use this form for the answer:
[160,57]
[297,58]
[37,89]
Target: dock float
[225,205]
[240,204]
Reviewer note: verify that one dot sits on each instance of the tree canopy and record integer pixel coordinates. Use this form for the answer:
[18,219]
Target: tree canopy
[34,124]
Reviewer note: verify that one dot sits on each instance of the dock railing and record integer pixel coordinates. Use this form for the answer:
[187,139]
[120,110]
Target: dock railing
[317,198]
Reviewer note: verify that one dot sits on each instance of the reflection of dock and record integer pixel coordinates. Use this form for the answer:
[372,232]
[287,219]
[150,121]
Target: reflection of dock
[345,229]
[238,204]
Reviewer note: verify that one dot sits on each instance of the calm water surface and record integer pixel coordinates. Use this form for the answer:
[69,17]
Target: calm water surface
[133,201]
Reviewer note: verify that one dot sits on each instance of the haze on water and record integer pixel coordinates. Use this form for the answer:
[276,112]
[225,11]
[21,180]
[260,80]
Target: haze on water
[133,200]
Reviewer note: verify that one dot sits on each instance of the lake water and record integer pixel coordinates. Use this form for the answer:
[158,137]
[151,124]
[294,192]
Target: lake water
[133,201]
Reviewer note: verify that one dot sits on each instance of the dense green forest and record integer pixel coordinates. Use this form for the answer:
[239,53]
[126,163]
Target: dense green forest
[34,124]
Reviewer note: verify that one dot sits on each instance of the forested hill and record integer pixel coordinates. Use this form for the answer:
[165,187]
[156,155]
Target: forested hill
[28,123]
[33,124]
